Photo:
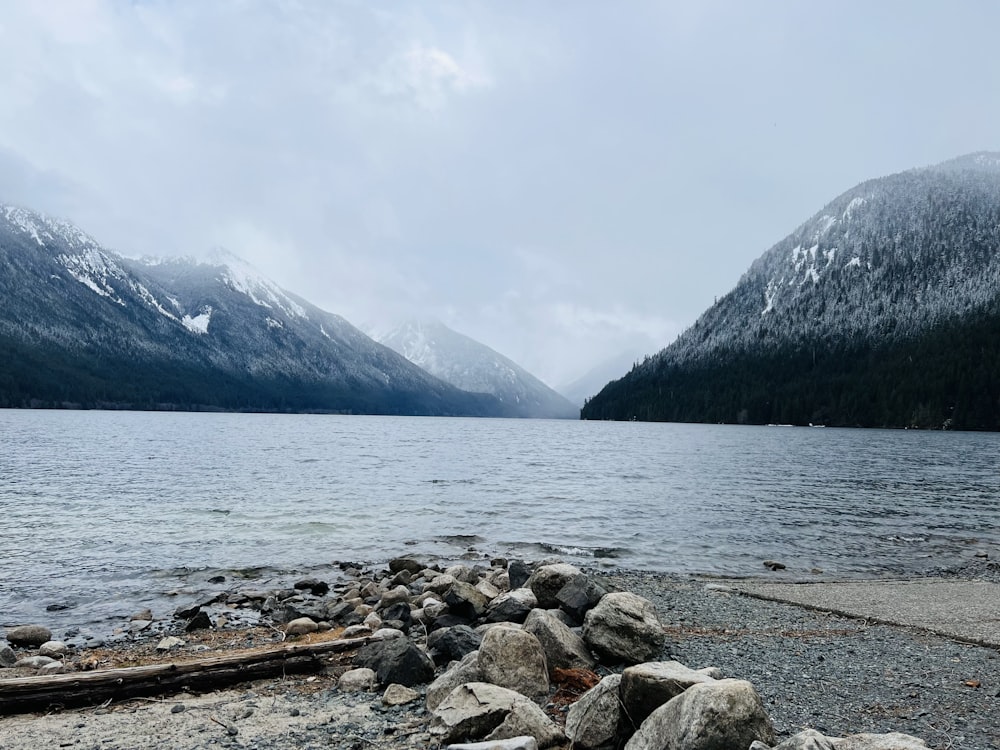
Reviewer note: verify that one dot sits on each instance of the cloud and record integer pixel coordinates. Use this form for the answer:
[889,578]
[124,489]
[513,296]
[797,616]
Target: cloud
[427,76]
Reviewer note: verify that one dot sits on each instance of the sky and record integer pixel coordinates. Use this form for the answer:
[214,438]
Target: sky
[563,181]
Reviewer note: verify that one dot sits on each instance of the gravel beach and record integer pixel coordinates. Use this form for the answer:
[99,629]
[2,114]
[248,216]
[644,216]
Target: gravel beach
[840,675]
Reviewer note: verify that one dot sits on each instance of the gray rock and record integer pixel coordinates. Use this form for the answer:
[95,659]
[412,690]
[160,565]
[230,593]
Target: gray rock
[706,716]
[518,573]
[413,566]
[169,643]
[514,743]
[592,722]
[34,662]
[357,631]
[478,710]
[54,649]
[463,573]
[527,719]
[28,635]
[301,626]
[548,580]
[398,613]
[892,741]
[137,626]
[488,590]
[646,687]
[466,670]
[396,660]
[200,621]
[580,595]
[399,695]
[450,644]
[465,600]
[358,680]
[563,648]
[514,659]
[315,586]
[624,627]
[394,596]
[439,584]
[7,656]
[513,606]
[810,739]
[387,633]
[55,667]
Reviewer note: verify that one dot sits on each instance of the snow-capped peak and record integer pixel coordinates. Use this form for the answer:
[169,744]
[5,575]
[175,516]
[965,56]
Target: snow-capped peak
[241,276]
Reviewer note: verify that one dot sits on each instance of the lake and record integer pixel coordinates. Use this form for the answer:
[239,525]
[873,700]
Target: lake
[102,513]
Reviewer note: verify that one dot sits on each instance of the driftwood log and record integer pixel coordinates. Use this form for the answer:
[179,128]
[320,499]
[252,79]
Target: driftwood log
[45,693]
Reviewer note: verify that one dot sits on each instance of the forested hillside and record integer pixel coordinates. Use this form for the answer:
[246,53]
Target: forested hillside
[881,310]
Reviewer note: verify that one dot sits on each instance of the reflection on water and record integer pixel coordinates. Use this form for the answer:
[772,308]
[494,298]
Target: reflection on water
[96,505]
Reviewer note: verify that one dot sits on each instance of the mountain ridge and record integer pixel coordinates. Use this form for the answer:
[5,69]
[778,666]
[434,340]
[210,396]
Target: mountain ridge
[863,288]
[84,326]
[472,366]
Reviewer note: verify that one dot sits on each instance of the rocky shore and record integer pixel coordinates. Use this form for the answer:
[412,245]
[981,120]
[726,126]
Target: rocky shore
[517,655]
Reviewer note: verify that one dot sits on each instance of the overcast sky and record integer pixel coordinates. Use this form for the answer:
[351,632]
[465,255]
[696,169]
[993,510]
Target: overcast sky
[563,181]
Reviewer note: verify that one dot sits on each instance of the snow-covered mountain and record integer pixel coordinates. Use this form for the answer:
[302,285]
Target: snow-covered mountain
[879,310]
[81,325]
[592,381]
[474,367]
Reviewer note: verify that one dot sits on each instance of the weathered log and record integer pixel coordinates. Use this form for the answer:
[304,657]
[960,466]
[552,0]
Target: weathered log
[22,694]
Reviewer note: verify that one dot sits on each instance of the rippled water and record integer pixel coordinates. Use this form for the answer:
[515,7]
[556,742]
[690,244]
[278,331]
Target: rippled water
[101,512]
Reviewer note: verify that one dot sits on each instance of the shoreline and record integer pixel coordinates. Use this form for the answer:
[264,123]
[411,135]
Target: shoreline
[835,673]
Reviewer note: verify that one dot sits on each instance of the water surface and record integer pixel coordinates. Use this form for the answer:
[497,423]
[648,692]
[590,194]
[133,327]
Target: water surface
[101,512]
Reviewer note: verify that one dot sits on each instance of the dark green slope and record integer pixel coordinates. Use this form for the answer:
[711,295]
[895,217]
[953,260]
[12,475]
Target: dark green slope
[948,377]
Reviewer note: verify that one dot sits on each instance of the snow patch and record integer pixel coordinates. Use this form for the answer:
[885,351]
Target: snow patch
[199,323]
[242,277]
[853,206]
[272,323]
[854,262]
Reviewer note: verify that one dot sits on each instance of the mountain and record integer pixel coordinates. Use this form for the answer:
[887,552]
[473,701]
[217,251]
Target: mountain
[881,310]
[585,386]
[83,326]
[474,367]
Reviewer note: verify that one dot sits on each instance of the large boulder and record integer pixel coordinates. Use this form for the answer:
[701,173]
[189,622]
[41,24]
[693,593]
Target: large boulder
[580,595]
[548,580]
[624,627]
[28,635]
[518,573]
[592,722]
[465,600]
[450,644]
[480,711]
[810,739]
[563,648]
[514,659]
[646,687]
[396,660]
[7,656]
[459,673]
[513,606]
[891,741]
[715,715]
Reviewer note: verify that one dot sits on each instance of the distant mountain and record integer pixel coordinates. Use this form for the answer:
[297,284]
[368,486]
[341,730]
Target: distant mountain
[581,389]
[474,367]
[82,326]
[881,310]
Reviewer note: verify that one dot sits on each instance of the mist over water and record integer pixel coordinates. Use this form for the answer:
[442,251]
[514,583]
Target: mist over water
[102,513]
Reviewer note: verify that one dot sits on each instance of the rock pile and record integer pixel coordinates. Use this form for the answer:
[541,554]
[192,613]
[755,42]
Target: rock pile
[486,646]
